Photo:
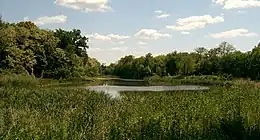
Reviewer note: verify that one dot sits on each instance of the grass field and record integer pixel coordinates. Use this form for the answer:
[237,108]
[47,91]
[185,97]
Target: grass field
[29,111]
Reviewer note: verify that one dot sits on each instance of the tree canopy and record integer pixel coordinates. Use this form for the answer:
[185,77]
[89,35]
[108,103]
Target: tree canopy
[25,48]
[221,60]
[28,49]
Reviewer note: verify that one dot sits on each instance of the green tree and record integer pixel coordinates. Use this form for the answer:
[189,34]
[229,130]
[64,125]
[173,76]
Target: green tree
[254,64]
[201,50]
[25,48]
[225,48]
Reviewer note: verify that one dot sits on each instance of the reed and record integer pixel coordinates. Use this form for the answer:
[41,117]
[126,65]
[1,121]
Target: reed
[74,113]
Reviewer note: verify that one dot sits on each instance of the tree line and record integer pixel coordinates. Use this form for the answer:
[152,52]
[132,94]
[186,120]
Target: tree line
[222,60]
[27,49]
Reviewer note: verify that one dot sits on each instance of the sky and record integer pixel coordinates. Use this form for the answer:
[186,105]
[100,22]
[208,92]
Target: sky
[136,27]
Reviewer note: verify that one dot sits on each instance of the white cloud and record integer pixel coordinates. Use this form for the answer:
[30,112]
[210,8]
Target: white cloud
[49,19]
[109,37]
[151,34]
[195,22]
[185,33]
[235,4]
[118,37]
[234,33]
[99,37]
[142,43]
[85,5]
[158,11]
[162,16]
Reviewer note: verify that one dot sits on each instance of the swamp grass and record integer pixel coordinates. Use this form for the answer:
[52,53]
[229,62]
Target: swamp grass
[74,113]
[208,80]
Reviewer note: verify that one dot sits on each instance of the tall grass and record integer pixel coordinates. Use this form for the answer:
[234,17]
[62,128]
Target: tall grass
[189,80]
[73,113]
[14,80]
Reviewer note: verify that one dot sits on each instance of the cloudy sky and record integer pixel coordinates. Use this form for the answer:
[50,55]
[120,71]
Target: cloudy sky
[121,27]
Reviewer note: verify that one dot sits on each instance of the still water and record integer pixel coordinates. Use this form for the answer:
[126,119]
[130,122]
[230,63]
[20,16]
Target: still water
[114,90]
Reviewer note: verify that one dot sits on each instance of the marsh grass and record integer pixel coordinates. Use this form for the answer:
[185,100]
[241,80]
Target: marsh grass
[209,80]
[72,113]
[14,80]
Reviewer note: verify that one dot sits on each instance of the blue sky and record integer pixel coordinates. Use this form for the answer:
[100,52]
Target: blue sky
[122,27]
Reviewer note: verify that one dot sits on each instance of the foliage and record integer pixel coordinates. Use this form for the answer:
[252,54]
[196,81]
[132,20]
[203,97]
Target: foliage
[27,49]
[61,54]
[9,80]
[209,80]
[224,60]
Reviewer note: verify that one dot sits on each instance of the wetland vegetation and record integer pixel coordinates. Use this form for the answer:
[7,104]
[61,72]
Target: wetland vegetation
[36,102]
[33,112]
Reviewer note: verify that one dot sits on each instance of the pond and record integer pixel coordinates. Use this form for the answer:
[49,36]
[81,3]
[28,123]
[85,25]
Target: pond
[114,90]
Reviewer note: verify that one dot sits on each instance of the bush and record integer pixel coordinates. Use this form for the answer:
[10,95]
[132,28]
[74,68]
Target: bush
[14,80]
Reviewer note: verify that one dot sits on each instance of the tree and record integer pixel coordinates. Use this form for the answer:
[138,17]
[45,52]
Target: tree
[160,65]
[188,65]
[172,63]
[28,25]
[72,42]
[201,50]
[234,64]
[225,48]
[26,48]
[93,67]
[254,64]
[1,21]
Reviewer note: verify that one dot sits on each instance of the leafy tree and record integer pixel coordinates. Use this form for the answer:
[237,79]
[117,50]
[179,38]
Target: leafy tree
[225,48]
[254,64]
[25,48]
[201,50]
[93,67]
[188,65]
[72,42]
[160,65]
[172,63]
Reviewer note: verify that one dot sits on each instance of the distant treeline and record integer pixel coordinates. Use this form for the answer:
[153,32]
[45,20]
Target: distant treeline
[27,49]
[223,60]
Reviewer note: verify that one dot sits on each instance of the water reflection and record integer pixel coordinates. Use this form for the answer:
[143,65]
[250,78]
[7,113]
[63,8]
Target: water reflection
[114,91]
